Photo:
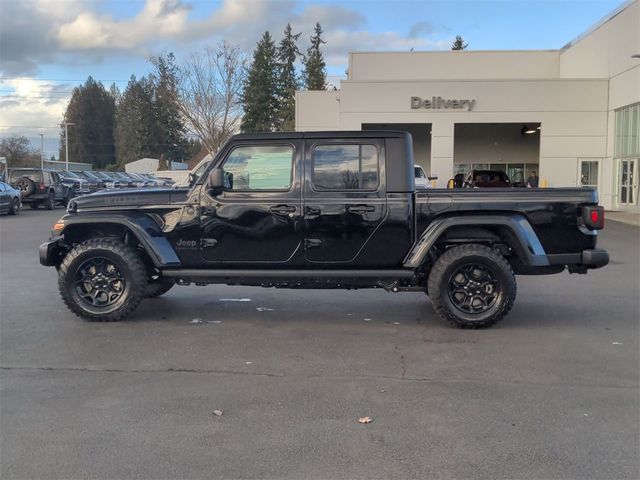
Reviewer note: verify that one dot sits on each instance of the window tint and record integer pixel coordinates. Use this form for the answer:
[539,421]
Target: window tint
[259,168]
[345,167]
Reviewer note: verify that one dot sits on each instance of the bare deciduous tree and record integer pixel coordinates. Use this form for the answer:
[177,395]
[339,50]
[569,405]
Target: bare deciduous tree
[210,85]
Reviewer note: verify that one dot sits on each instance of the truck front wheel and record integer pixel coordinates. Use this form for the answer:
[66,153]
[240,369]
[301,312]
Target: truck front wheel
[102,279]
[471,286]
[158,286]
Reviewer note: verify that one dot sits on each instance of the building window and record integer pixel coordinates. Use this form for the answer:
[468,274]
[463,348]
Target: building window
[345,167]
[264,167]
[517,172]
[627,132]
[589,173]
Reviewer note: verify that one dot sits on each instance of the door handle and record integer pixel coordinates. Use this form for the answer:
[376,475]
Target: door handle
[282,209]
[360,208]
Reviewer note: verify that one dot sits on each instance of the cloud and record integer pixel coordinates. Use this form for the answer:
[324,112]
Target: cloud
[158,19]
[421,28]
[29,104]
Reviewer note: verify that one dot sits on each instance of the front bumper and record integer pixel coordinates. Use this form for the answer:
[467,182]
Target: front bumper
[51,252]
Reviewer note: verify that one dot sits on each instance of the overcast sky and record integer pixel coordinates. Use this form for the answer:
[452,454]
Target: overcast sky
[49,46]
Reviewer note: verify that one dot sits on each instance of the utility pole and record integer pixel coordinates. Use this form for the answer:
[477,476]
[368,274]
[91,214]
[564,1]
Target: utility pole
[42,151]
[66,143]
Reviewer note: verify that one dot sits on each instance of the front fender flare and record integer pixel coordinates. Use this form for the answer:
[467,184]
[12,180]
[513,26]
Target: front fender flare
[530,246]
[143,227]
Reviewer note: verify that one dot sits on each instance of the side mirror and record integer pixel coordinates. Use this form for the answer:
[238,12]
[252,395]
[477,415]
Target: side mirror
[216,179]
[432,177]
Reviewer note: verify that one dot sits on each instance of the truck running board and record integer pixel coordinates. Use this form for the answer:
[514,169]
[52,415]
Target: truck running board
[215,273]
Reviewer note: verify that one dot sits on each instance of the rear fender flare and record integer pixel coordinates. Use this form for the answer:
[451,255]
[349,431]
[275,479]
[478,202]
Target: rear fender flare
[530,247]
[143,227]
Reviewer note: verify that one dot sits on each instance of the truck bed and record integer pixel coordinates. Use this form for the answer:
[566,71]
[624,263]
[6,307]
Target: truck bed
[552,212]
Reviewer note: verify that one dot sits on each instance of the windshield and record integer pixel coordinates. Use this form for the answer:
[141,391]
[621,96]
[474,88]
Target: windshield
[195,175]
[65,173]
[35,175]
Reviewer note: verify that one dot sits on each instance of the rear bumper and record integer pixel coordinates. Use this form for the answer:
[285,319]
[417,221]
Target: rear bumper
[35,197]
[587,259]
[51,252]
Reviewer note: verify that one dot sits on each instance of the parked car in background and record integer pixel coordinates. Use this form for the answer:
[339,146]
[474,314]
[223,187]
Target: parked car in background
[10,201]
[111,180]
[422,180]
[92,178]
[481,179]
[194,174]
[75,185]
[38,187]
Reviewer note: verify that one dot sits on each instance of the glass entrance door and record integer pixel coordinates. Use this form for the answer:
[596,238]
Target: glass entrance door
[629,181]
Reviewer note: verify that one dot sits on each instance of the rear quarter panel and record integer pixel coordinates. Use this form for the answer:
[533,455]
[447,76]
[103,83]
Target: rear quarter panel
[552,212]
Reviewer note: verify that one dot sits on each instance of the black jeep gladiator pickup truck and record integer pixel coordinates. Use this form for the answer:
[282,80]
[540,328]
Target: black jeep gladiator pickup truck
[321,210]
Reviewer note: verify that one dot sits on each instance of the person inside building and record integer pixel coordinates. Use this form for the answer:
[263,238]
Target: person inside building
[532,181]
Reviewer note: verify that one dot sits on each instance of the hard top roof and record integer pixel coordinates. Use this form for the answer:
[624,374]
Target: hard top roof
[323,134]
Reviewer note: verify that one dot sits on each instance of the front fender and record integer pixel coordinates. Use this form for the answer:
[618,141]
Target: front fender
[141,225]
[529,245]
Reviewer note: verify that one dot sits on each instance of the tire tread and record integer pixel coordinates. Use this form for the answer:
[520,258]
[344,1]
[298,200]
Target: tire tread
[129,256]
[436,294]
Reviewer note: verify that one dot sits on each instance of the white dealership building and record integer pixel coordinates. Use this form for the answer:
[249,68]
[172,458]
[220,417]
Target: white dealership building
[572,114]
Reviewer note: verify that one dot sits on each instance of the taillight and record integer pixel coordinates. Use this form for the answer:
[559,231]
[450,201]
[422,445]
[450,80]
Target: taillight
[593,217]
[41,186]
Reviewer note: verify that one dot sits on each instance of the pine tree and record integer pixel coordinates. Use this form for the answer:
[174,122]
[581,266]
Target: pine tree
[315,74]
[288,82]
[458,44]
[169,129]
[135,122]
[260,89]
[92,111]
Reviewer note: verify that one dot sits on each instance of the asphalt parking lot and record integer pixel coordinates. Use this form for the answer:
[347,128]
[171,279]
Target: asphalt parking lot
[551,392]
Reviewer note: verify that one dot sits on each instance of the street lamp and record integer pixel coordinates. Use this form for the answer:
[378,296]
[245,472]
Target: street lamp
[66,143]
[42,151]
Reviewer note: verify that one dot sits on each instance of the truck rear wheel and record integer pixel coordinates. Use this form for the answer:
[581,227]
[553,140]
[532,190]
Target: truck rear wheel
[102,280]
[471,286]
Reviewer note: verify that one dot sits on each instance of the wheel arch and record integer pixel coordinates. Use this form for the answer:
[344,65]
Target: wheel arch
[512,229]
[146,232]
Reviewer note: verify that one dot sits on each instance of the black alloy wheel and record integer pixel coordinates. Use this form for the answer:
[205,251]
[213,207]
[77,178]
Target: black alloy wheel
[102,279]
[99,282]
[472,286]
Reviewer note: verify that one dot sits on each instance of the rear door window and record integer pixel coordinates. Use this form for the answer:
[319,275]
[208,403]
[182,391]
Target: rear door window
[345,167]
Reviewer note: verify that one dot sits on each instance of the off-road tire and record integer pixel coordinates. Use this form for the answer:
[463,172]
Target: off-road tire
[14,209]
[68,197]
[449,263]
[128,262]
[158,286]
[50,202]
[26,186]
